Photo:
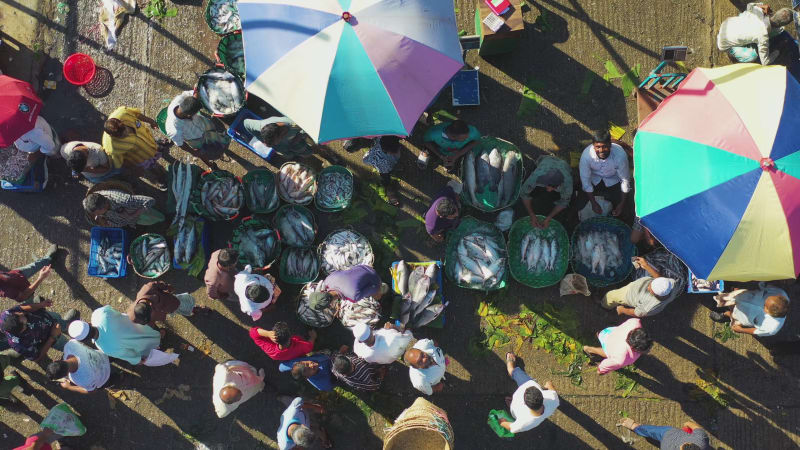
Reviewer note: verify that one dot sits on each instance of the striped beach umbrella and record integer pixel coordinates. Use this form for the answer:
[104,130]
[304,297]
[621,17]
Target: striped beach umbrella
[717,171]
[349,68]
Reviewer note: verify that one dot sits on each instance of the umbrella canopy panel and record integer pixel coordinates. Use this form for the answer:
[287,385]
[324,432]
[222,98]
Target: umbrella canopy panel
[19,108]
[349,68]
[716,165]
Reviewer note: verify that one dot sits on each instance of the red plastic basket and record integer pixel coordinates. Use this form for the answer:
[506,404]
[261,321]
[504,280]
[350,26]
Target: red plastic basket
[79,69]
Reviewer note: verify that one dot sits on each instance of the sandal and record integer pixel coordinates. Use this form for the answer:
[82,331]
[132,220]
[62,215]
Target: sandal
[422,160]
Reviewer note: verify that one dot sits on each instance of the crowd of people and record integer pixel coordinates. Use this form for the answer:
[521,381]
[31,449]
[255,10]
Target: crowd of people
[129,150]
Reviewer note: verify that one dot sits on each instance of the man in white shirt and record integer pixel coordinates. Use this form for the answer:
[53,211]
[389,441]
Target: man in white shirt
[235,382]
[531,404]
[604,170]
[40,139]
[83,369]
[193,131]
[746,37]
[255,291]
[427,366]
[760,312]
[382,346]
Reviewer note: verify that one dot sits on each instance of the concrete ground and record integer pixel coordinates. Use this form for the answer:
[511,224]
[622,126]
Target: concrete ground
[170,407]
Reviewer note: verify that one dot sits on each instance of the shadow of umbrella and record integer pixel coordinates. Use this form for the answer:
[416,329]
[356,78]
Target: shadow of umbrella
[101,84]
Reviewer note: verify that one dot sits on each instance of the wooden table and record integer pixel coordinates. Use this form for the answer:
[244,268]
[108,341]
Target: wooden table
[506,38]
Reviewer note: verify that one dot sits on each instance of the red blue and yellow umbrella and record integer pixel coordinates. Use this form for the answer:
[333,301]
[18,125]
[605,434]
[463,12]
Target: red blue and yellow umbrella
[717,171]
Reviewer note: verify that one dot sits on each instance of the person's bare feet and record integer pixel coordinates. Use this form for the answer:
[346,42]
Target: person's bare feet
[511,360]
[629,423]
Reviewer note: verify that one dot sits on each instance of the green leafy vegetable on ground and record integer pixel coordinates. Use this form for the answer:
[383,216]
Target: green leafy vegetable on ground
[625,381]
[158,9]
[531,100]
[725,333]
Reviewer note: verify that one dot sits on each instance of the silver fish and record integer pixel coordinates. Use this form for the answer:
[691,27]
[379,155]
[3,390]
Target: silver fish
[402,277]
[428,315]
[469,175]
[344,249]
[334,189]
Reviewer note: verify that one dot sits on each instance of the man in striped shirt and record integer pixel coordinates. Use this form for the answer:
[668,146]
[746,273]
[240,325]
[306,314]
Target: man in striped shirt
[355,372]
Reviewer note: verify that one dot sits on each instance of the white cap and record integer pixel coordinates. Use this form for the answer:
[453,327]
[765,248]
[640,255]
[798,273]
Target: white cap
[78,329]
[361,332]
[662,286]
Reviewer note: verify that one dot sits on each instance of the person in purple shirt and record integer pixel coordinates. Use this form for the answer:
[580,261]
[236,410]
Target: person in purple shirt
[353,284]
[443,214]
[315,368]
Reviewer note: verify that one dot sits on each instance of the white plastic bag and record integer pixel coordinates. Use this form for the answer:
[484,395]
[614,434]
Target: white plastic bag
[587,212]
[504,219]
[62,420]
[574,283]
[159,358]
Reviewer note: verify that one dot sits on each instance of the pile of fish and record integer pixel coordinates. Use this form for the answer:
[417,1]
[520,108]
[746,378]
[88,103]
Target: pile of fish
[367,310]
[491,178]
[699,284]
[224,16]
[539,254]
[262,195]
[418,288]
[220,91]
[185,242]
[344,249]
[295,227]
[151,256]
[600,252]
[235,55]
[182,190]
[13,163]
[258,246]
[296,183]
[481,261]
[222,197]
[109,257]
[334,189]
[315,317]
[300,264]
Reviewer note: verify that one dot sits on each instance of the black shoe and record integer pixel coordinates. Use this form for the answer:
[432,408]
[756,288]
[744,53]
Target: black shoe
[71,315]
[718,317]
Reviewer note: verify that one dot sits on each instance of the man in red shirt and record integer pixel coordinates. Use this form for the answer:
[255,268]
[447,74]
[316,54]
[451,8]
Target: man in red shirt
[279,344]
[14,283]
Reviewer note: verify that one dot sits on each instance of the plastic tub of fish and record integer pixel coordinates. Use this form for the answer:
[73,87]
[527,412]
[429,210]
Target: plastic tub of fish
[529,262]
[700,286]
[475,255]
[230,53]
[296,225]
[403,274]
[334,189]
[185,252]
[221,92]
[107,252]
[149,256]
[222,16]
[492,174]
[297,183]
[219,197]
[298,265]
[315,318]
[260,191]
[343,249]
[602,251]
[257,243]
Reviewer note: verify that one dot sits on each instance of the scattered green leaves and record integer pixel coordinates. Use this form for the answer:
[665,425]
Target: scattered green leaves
[543,22]
[725,333]
[623,414]
[625,381]
[442,115]
[706,389]
[62,8]
[158,9]
[531,100]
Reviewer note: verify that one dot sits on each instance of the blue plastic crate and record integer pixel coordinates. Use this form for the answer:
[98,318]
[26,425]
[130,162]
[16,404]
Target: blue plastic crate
[115,235]
[691,290]
[237,132]
[35,180]
[205,241]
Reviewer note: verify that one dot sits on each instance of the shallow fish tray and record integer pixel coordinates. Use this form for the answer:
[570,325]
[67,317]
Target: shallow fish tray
[133,262]
[264,176]
[504,147]
[302,210]
[519,270]
[284,196]
[282,272]
[205,241]
[439,298]
[255,224]
[467,226]
[237,132]
[196,199]
[370,260]
[343,204]
[628,250]
[114,235]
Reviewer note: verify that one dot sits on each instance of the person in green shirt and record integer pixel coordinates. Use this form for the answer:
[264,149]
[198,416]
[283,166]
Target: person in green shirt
[449,141]
[548,189]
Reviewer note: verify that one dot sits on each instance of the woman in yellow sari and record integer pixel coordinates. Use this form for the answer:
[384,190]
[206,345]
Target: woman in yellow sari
[129,143]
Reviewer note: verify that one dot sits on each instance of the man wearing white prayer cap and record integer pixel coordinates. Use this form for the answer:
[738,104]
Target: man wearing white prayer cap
[382,346]
[644,297]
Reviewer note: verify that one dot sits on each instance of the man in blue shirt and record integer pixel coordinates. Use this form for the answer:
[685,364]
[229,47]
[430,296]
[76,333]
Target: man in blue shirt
[315,368]
[295,430]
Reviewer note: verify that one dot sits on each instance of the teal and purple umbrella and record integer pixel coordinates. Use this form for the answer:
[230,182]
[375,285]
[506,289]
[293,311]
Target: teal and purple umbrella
[349,68]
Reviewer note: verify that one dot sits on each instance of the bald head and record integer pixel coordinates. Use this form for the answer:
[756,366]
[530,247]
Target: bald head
[230,394]
[417,358]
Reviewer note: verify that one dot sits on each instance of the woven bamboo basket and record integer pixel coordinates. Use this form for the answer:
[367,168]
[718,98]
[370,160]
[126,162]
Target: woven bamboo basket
[422,426]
